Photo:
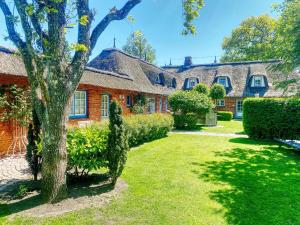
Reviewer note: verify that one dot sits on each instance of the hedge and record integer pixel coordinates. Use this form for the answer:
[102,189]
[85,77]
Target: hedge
[87,147]
[225,116]
[272,118]
[145,128]
[186,121]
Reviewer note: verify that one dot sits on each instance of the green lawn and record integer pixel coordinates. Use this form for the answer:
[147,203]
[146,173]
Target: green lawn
[187,179]
[226,127]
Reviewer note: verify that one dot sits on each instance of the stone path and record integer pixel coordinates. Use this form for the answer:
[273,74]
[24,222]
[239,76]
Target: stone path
[13,170]
[295,144]
[210,134]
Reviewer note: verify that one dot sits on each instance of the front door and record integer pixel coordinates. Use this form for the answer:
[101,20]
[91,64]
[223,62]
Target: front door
[239,108]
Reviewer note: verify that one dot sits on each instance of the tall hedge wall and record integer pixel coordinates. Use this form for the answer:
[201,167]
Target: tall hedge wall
[272,118]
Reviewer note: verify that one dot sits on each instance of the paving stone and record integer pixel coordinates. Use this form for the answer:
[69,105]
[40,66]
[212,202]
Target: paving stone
[12,170]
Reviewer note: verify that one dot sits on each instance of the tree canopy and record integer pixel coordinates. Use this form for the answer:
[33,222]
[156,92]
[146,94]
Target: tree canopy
[252,40]
[138,46]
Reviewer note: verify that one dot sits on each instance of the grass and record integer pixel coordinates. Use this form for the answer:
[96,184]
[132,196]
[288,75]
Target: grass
[185,179]
[226,127]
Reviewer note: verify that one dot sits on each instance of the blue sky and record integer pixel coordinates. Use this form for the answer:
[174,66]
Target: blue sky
[161,22]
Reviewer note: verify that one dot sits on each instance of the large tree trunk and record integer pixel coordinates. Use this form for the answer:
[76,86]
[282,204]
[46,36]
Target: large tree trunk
[54,187]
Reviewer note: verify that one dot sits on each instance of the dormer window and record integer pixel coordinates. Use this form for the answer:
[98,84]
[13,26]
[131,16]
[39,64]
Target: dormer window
[223,81]
[192,82]
[258,81]
[157,80]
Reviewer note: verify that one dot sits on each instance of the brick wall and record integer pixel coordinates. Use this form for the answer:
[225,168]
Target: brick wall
[230,105]
[93,109]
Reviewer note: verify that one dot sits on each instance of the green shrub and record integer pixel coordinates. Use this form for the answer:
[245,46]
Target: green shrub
[145,128]
[190,102]
[272,118]
[202,89]
[225,116]
[117,147]
[217,91]
[185,121]
[87,149]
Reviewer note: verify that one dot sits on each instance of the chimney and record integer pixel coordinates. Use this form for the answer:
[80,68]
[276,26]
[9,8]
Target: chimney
[188,61]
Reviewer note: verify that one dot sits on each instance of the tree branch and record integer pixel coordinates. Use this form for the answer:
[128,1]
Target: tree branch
[9,20]
[80,58]
[113,15]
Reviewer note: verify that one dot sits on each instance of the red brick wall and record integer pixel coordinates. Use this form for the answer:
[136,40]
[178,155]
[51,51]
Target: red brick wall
[230,105]
[94,106]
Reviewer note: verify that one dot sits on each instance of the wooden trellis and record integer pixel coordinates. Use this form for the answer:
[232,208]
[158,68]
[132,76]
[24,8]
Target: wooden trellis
[19,139]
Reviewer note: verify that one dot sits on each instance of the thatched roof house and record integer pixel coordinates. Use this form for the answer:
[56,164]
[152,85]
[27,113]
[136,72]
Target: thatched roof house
[239,77]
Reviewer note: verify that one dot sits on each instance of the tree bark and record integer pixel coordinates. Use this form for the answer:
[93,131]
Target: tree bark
[54,187]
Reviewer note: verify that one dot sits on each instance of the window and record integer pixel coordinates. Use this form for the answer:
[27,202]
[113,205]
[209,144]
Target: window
[258,81]
[192,82]
[151,105]
[161,104]
[221,103]
[167,104]
[223,81]
[174,83]
[129,101]
[157,80]
[105,106]
[78,107]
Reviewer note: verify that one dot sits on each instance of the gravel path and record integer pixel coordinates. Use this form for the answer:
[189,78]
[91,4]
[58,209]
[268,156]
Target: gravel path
[210,134]
[13,170]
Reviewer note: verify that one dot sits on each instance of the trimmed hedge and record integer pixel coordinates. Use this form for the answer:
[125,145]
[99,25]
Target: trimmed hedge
[225,116]
[186,121]
[145,128]
[87,147]
[272,118]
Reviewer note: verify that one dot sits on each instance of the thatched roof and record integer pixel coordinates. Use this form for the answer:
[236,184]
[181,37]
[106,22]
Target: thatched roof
[111,69]
[240,75]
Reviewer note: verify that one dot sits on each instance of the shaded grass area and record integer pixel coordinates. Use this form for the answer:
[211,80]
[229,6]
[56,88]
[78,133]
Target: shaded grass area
[187,179]
[226,127]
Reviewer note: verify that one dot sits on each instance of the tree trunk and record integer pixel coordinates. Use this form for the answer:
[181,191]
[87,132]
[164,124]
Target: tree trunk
[54,187]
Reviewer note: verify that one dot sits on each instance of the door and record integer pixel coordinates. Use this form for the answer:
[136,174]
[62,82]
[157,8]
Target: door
[104,106]
[239,108]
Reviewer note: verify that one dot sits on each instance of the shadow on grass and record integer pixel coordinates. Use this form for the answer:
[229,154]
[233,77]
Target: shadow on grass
[262,186]
[96,185]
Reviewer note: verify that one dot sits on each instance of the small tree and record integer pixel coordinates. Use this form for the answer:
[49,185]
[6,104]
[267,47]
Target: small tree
[202,89]
[117,142]
[138,46]
[217,91]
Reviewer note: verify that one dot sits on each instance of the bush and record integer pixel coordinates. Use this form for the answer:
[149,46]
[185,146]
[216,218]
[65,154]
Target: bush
[190,102]
[185,121]
[217,91]
[117,147]
[201,88]
[272,118]
[87,149]
[225,116]
[145,128]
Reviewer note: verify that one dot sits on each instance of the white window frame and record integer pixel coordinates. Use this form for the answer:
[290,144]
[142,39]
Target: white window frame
[192,80]
[259,79]
[105,106]
[151,105]
[161,104]
[225,79]
[78,108]
[221,102]
[129,97]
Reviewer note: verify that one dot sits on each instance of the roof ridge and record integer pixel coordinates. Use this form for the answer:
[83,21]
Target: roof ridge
[224,64]
[106,72]
[7,50]
[134,57]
